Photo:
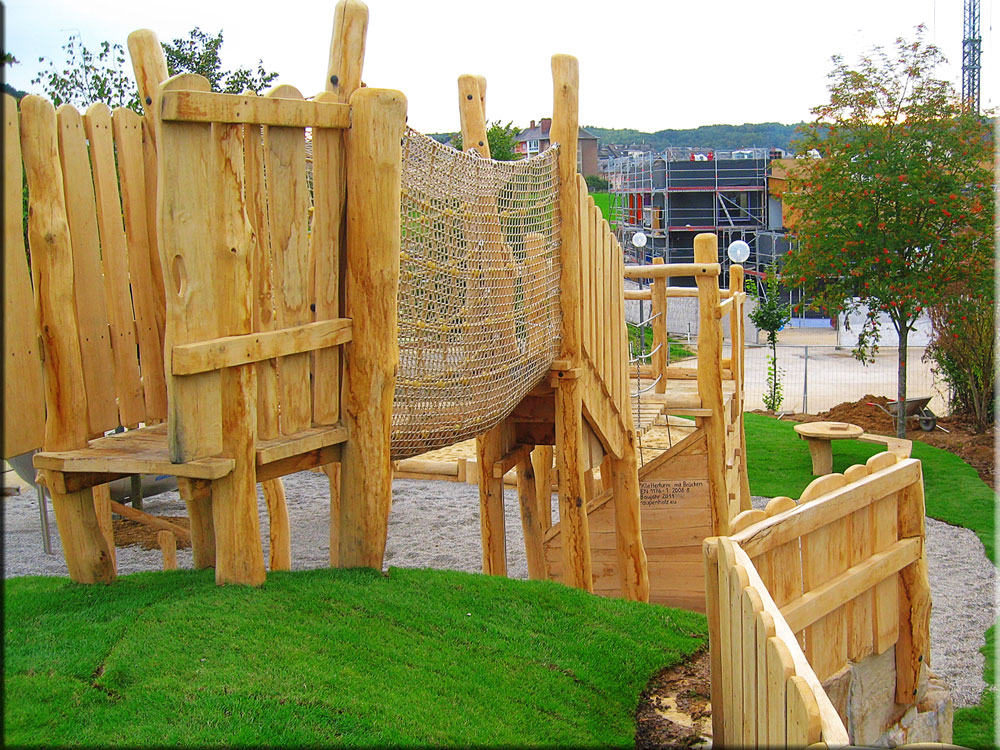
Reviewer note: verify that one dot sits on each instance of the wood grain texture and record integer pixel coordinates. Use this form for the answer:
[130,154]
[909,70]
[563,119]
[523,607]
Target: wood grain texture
[710,379]
[279,556]
[24,402]
[168,546]
[326,236]
[91,302]
[713,605]
[186,244]
[371,281]
[490,447]
[570,460]
[196,106]
[288,227]
[531,523]
[239,555]
[913,646]
[197,497]
[114,258]
[472,116]
[633,570]
[347,49]
[127,128]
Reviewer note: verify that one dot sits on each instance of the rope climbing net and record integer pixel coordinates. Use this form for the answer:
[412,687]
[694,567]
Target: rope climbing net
[478,303]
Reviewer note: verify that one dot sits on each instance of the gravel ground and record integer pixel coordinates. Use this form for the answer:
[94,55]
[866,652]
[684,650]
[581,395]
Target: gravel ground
[436,524]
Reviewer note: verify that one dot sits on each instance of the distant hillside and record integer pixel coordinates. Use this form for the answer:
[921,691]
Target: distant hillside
[722,137]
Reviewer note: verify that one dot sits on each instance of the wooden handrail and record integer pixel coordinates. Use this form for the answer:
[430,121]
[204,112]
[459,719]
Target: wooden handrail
[672,270]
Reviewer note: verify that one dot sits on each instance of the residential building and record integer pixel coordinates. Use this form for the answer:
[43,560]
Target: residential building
[535,139]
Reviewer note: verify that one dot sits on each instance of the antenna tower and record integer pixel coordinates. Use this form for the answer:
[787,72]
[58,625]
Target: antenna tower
[971,52]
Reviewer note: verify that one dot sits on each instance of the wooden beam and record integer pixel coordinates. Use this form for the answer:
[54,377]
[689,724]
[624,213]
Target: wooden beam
[671,270]
[299,462]
[820,601]
[275,449]
[773,532]
[510,459]
[134,514]
[203,106]
[230,351]
[489,450]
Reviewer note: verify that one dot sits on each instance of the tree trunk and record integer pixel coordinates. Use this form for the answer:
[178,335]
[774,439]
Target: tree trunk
[904,334]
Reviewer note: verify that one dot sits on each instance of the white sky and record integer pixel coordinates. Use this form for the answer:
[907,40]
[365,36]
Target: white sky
[645,64]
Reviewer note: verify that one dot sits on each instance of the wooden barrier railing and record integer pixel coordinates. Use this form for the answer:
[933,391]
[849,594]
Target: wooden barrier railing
[804,589]
[729,486]
[240,353]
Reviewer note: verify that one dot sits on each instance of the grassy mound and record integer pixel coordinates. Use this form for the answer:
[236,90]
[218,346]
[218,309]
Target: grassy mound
[330,657]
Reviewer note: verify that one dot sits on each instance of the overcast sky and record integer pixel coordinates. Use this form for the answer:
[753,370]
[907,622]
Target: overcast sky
[645,64]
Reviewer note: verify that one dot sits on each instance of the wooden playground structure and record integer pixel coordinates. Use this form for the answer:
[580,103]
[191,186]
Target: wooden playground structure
[208,300]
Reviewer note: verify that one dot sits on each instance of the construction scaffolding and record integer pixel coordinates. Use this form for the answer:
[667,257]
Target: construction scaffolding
[673,195]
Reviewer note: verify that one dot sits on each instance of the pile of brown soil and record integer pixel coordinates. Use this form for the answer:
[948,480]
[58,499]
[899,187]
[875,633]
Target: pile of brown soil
[129,533]
[674,709]
[976,449]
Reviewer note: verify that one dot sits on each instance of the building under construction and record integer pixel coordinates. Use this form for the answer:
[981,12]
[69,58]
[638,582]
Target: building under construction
[673,195]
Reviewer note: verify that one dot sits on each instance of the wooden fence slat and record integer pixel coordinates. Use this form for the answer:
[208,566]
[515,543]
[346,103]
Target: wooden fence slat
[825,554]
[128,383]
[91,310]
[803,718]
[194,418]
[765,631]
[885,622]
[780,667]
[86,547]
[737,583]
[23,398]
[727,661]
[859,610]
[605,332]
[329,181]
[127,126]
[586,265]
[751,607]
[713,606]
[239,555]
[288,203]
[263,280]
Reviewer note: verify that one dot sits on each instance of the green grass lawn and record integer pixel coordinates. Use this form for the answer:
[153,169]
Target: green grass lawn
[325,657]
[779,464]
[603,202]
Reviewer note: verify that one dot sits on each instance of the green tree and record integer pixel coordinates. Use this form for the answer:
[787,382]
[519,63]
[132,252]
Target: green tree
[771,315]
[105,75]
[597,184]
[89,76]
[900,206]
[199,53]
[501,139]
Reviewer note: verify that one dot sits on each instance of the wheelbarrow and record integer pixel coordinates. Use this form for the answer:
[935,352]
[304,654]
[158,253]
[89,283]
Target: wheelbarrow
[914,408]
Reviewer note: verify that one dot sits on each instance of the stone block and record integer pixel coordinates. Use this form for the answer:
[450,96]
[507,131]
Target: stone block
[871,705]
[837,689]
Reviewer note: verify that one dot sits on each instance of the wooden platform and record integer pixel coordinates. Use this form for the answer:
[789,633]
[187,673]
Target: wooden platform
[145,451]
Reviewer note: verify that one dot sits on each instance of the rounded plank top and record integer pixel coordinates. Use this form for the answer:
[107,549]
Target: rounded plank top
[829,430]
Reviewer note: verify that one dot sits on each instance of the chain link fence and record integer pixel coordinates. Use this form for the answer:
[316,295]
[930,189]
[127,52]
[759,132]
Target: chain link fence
[817,378]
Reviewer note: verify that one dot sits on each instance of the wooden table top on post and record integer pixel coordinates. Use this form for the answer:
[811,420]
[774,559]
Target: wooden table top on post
[819,434]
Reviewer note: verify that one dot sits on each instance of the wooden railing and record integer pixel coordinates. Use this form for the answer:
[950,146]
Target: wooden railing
[809,587]
[727,472]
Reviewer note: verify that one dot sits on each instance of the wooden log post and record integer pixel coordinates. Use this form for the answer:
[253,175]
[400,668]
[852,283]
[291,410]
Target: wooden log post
[706,250]
[660,344]
[343,78]
[713,612]
[913,646]
[570,457]
[197,497]
[531,521]
[87,549]
[374,174]
[541,461]
[168,546]
[633,573]
[490,448]
[472,114]
[738,339]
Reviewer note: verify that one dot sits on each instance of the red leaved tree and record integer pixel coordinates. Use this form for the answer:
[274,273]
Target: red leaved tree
[899,207]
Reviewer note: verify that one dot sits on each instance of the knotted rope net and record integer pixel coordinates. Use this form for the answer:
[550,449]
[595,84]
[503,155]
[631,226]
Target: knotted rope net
[478,291]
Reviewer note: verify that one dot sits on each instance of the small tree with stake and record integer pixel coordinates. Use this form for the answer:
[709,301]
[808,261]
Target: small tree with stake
[770,315]
[900,207]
